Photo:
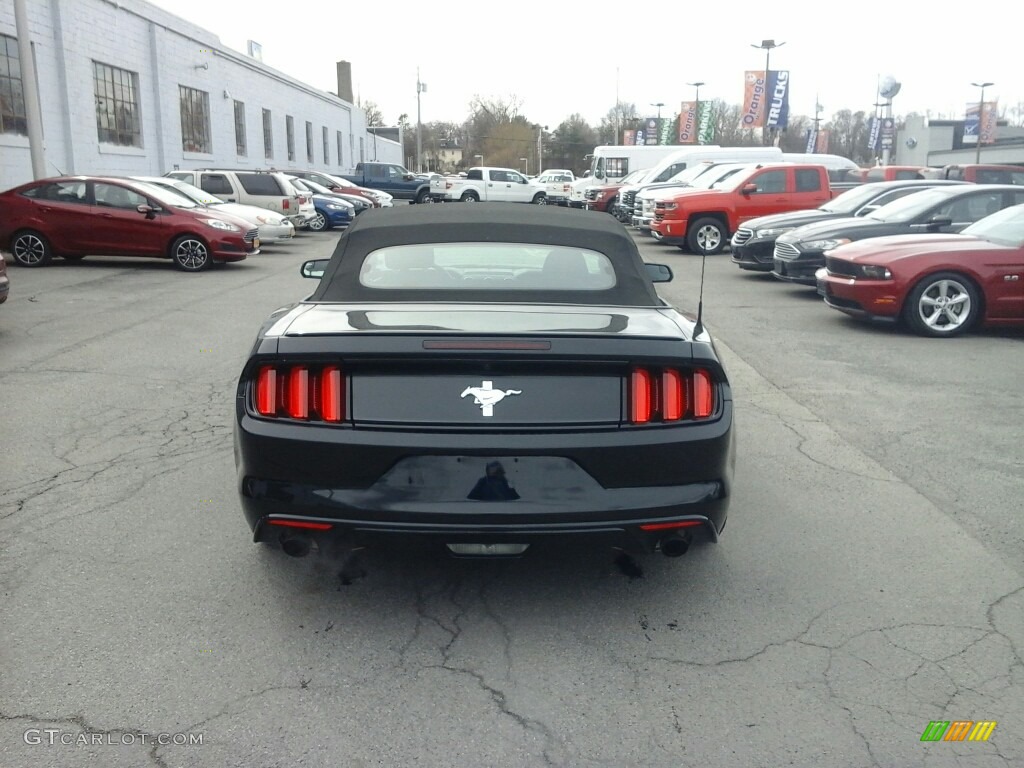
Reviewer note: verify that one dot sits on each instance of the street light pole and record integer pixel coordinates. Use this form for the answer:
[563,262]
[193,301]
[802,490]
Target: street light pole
[767,46]
[981,118]
[696,104]
[420,88]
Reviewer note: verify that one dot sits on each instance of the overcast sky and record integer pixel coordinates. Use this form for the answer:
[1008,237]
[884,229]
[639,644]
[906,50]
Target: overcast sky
[561,57]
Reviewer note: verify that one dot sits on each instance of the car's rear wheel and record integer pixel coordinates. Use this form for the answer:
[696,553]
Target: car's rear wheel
[191,254]
[943,304]
[424,197]
[319,223]
[706,235]
[30,248]
[540,199]
[470,197]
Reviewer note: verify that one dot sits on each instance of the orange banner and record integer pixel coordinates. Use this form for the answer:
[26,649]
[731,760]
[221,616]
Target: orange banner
[688,122]
[822,147]
[989,118]
[754,97]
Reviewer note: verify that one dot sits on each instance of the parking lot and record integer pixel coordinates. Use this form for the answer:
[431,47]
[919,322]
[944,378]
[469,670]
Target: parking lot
[870,580]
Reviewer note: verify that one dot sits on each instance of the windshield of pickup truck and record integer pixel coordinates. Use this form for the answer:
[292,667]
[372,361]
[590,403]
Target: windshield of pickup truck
[719,173]
[733,181]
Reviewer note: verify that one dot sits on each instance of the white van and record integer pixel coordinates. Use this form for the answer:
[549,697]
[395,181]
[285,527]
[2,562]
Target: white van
[609,164]
[687,157]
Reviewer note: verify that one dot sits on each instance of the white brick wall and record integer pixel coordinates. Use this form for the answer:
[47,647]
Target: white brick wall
[68,35]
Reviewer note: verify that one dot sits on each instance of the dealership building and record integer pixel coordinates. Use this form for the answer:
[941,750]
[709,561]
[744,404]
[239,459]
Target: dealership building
[929,142]
[128,88]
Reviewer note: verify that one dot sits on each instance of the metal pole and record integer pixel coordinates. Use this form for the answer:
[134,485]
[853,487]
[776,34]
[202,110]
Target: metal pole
[981,126]
[419,127]
[767,71]
[887,149]
[33,113]
[540,149]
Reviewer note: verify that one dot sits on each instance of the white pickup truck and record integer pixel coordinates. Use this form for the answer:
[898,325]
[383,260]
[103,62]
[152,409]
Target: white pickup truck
[481,184]
[557,184]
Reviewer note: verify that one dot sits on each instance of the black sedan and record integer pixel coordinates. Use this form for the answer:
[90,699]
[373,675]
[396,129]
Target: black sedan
[753,243]
[800,253]
[484,377]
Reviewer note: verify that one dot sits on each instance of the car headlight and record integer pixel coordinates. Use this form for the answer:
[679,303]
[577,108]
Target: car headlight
[274,221]
[823,245]
[336,207]
[671,206]
[772,232]
[875,272]
[223,225]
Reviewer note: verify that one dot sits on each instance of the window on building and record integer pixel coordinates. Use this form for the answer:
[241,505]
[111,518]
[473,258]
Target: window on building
[268,135]
[341,160]
[195,120]
[309,141]
[362,151]
[12,93]
[352,145]
[289,128]
[327,147]
[117,106]
[240,144]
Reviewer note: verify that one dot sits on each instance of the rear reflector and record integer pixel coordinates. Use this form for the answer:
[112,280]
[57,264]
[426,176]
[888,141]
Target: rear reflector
[300,392]
[301,524]
[666,526]
[666,395]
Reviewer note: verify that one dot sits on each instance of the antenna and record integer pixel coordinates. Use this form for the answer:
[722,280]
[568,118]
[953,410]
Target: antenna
[698,329]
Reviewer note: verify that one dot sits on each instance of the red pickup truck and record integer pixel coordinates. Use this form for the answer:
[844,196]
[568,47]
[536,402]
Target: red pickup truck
[705,218]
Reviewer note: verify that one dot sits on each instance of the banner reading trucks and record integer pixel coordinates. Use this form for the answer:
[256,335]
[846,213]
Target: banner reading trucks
[766,99]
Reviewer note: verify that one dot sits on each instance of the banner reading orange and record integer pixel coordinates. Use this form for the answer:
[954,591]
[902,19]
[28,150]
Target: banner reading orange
[688,122]
[754,96]
[989,119]
[823,136]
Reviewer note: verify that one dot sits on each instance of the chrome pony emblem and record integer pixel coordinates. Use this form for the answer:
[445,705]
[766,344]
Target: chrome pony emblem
[487,397]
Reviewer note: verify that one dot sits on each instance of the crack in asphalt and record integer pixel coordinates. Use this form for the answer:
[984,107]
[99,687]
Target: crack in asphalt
[846,702]
[454,629]
[86,727]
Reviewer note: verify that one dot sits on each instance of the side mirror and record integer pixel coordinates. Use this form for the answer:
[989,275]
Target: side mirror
[146,209]
[868,209]
[409,176]
[659,273]
[315,268]
[749,189]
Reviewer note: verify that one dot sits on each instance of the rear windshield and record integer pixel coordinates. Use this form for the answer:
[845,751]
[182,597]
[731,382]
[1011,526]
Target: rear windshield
[479,266]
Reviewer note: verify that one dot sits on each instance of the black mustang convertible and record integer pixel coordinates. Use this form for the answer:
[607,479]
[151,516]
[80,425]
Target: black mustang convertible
[484,376]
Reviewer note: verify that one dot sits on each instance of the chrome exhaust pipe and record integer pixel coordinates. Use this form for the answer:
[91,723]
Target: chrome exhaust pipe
[296,545]
[675,545]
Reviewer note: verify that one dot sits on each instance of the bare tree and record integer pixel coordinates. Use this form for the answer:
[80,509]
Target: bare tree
[619,118]
[374,117]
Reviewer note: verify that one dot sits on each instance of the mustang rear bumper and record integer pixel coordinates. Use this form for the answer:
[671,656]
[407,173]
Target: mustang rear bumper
[438,485]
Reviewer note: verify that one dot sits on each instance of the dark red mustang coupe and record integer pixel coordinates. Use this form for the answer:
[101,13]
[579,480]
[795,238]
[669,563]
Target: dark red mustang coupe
[939,285]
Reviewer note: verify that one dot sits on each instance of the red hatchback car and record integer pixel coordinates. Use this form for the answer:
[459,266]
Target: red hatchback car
[939,285]
[76,216]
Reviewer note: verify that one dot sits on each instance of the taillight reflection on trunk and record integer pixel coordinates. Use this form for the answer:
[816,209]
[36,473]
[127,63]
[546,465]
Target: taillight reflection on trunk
[300,392]
[658,396]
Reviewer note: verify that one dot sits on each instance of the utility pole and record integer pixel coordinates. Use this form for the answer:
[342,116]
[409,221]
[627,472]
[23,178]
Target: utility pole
[420,88]
[33,113]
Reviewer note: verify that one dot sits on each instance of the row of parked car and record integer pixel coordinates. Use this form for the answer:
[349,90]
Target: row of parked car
[195,218]
[941,255]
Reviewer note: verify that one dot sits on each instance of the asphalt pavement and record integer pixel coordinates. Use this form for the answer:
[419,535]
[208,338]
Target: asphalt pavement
[870,579]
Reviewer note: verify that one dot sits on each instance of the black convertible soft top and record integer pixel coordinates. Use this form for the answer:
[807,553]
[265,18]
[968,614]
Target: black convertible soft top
[487,222]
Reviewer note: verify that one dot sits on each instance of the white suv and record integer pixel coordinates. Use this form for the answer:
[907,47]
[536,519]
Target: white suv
[264,189]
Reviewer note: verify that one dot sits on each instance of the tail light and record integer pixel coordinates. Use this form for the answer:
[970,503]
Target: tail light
[286,204]
[669,395]
[302,392]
